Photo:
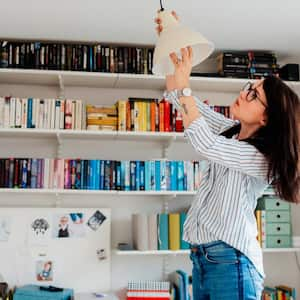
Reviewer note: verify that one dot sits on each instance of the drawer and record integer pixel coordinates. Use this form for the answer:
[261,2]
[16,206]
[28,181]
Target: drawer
[277,216]
[272,203]
[278,241]
[278,228]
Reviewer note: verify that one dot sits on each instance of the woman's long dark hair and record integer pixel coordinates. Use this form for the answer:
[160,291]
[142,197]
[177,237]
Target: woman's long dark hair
[279,140]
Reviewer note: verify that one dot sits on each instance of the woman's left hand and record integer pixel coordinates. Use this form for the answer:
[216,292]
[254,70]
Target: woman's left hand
[183,67]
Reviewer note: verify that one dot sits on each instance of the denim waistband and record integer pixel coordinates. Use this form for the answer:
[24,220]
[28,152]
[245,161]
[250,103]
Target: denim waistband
[202,247]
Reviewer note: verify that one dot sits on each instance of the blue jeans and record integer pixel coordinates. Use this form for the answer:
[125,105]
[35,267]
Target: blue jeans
[221,272]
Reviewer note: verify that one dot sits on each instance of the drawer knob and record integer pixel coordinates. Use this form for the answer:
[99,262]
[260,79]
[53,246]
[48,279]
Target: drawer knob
[278,228]
[278,216]
[278,241]
[277,203]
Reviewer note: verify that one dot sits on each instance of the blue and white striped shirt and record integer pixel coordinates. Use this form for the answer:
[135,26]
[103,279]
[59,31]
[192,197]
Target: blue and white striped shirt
[235,177]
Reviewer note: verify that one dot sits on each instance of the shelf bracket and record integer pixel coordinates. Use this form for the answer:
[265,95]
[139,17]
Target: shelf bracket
[165,268]
[59,145]
[166,147]
[58,200]
[61,87]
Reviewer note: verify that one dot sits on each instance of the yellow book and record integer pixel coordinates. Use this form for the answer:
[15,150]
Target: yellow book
[174,231]
[121,104]
[258,221]
[279,295]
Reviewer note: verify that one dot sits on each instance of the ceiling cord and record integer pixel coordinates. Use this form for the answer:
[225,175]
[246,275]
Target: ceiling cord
[161,7]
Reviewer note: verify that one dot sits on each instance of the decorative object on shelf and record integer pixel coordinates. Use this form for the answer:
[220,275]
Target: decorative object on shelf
[174,37]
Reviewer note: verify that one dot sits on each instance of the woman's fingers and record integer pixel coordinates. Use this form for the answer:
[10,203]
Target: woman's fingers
[184,55]
[159,29]
[190,52]
[174,58]
[175,15]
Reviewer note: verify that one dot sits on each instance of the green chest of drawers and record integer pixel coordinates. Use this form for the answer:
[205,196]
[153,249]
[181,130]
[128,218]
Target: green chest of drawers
[276,222]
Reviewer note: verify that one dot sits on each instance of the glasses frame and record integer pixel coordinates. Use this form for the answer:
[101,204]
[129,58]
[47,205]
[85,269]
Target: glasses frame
[248,87]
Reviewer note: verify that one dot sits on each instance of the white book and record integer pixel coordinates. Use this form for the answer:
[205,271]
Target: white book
[46,173]
[48,113]
[78,114]
[73,114]
[6,112]
[51,173]
[140,232]
[196,175]
[57,114]
[152,232]
[24,112]
[41,113]
[37,113]
[53,102]
[33,120]
[62,115]
[83,116]
[2,104]
[18,121]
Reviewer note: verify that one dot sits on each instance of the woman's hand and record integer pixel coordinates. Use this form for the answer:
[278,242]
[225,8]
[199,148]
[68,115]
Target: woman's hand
[182,66]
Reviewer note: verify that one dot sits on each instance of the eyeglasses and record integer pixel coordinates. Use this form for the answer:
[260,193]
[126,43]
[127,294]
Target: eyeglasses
[252,93]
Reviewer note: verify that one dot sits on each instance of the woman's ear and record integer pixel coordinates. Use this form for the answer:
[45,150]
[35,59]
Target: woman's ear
[264,120]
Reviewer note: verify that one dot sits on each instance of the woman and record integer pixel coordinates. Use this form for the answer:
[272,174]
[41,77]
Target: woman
[259,147]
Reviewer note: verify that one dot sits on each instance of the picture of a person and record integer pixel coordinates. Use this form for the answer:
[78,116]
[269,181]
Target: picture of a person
[46,273]
[63,231]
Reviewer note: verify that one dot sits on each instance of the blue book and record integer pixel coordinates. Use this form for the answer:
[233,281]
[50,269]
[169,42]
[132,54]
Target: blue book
[101,177]
[157,175]
[82,175]
[183,244]
[91,58]
[29,113]
[163,232]
[180,175]
[173,175]
[142,176]
[34,170]
[132,175]
[127,175]
[137,175]
[163,179]
[147,176]
[24,174]
[78,174]
[107,170]
[97,175]
[118,176]
[89,175]
[152,175]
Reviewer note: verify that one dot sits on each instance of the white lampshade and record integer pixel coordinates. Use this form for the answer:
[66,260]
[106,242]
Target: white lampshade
[174,37]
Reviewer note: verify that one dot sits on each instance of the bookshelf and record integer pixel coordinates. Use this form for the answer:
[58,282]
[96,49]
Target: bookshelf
[106,88]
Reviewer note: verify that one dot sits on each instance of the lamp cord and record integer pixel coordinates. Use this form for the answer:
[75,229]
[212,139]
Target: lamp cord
[161,7]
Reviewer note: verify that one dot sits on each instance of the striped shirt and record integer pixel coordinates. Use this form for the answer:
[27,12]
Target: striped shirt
[235,177]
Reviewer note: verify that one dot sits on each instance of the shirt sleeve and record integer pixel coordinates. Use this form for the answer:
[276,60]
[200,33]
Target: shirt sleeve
[217,122]
[231,153]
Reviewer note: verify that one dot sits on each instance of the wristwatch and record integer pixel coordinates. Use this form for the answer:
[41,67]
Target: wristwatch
[185,92]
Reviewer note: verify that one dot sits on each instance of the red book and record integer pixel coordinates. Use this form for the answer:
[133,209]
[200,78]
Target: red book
[167,116]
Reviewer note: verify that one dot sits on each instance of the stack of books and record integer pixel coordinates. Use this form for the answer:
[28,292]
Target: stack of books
[152,290]
[101,118]
[247,64]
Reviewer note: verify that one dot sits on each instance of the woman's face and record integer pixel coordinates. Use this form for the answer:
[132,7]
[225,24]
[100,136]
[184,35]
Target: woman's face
[250,108]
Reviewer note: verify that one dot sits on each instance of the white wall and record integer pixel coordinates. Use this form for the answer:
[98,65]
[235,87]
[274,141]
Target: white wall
[280,268]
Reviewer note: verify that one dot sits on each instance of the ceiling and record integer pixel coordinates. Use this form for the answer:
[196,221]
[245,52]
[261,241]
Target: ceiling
[232,24]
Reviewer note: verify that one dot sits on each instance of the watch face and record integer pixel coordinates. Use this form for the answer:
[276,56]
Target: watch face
[187,92]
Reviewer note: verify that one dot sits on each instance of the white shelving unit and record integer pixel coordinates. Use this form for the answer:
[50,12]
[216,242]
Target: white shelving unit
[106,88]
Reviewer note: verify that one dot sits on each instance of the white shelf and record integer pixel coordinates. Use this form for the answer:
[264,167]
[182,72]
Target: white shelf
[186,252]
[97,192]
[92,134]
[115,80]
